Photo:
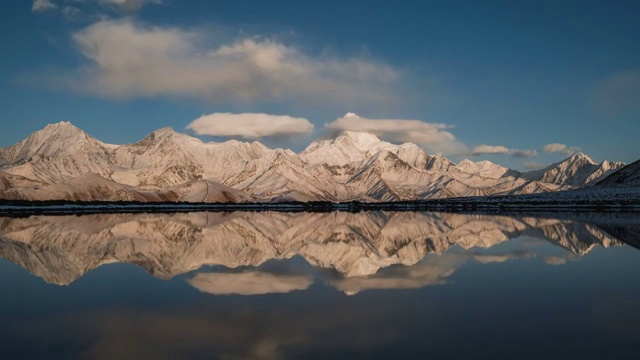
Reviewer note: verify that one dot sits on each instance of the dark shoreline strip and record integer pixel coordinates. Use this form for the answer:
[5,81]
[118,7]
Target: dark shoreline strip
[491,205]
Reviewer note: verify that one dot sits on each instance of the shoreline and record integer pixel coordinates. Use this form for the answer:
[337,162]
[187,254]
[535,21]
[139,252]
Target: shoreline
[462,205]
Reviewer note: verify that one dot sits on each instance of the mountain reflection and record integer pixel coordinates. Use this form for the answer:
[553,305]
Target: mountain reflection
[360,249]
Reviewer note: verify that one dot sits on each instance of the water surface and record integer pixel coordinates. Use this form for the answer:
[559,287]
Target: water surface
[319,285]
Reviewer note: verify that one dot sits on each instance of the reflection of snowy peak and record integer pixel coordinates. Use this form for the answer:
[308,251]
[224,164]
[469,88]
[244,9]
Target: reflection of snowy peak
[62,162]
[62,249]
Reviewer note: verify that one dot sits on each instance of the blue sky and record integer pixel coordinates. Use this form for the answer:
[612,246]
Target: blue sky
[496,80]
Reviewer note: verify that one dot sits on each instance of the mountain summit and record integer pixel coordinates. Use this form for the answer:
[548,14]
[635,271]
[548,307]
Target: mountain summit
[56,153]
[63,162]
[578,170]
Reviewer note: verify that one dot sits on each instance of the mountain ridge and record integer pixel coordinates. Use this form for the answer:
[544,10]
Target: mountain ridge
[578,170]
[165,165]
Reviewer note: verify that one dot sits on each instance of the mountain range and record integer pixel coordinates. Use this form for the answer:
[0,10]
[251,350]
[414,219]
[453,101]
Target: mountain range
[62,162]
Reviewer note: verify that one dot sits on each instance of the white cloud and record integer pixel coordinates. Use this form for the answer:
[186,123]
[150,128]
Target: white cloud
[561,148]
[128,60]
[42,5]
[250,125]
[501,150]
[534,165]
[249,283]
[490,150]
[431,135]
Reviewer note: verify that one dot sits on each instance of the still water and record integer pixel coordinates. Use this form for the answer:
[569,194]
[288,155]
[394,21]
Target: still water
[320,285]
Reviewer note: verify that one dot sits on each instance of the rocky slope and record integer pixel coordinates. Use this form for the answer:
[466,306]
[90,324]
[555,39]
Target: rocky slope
[10,181]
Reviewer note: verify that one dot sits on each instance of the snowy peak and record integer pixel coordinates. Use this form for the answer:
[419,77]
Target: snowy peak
[59,132]
[167,133]
[54,140]
[485,169]
[348,147]
[464,164]
[413,155]
[61,126]
[439,163]
[352,147]
[578,170]
[351,115]
[164,132]
[581,158]
[63,130]
[363,141]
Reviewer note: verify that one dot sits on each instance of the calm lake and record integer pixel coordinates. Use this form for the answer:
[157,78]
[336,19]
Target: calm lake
[270,285]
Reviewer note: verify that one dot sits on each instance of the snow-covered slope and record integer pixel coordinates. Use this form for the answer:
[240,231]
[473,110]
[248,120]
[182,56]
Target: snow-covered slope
[91,187]
[63,162]
[87,187]
[57,153]
[281,175]
[207,191]
[486,169]
[167,158]
[578,170]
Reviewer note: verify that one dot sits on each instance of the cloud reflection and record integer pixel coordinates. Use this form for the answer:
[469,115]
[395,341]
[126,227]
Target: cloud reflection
[249,283]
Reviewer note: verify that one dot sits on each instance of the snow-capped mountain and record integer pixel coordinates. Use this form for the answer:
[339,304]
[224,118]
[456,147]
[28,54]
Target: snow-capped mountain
[57,153]
[578,170]
[167,158]
[63,162]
